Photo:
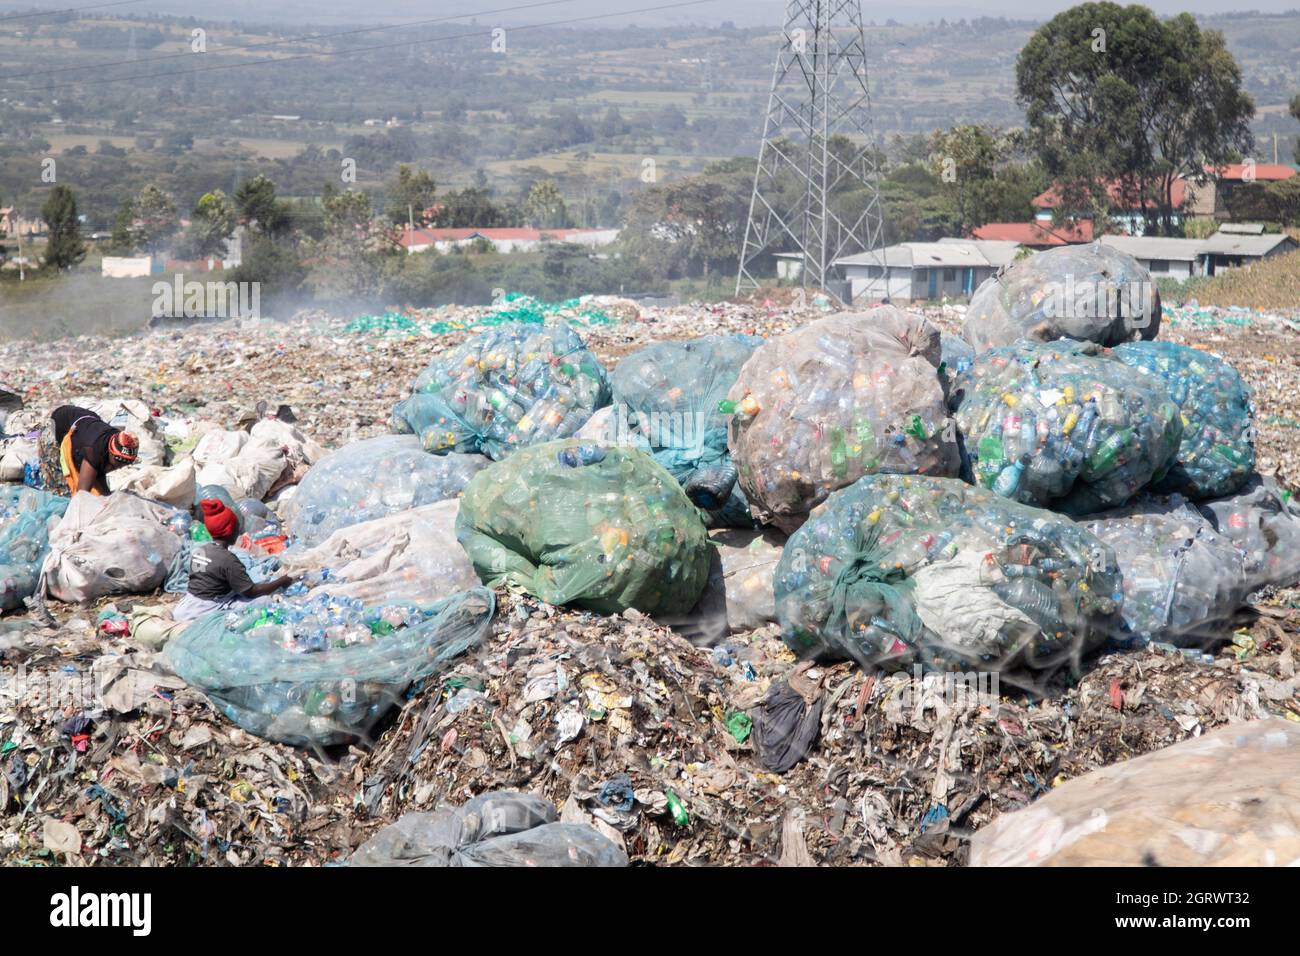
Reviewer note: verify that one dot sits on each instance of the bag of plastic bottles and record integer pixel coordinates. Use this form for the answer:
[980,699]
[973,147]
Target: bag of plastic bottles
[406,556]
[672,396]
[1182,581]
[371,479]
[1217,453]
[26,517]
[603,527]
[1091,293]
[493,829]
[1262,520]
[323,671]
[843,397]
[515,385]
[1064,425]
[898,571]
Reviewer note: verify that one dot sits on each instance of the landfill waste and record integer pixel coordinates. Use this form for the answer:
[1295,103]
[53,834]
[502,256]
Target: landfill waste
[493,829]
[560,701]
[1063,425]
[1262,520]
[1182,581]
[105,546]
[1230,797]
[323,671]
[666,399]
[519,384]
[602,527]
[26,516]
[255,464]
[1217,452]
[513,307]
[896,571]
[171,485]
[370,479]
[405,556]
[786,722]
[846,396]
[1091,293]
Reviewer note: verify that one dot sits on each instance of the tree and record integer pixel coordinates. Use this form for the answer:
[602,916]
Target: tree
[212,224]
[544,207]
[1121,104]
[1295,114]
[258,207]
[154,217]
[123,241]
[65,248]
[411,193]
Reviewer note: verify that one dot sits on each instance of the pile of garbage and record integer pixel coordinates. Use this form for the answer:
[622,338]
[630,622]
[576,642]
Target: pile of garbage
[26,517]
[517,385]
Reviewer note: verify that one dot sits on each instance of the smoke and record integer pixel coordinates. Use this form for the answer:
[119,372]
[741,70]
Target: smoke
[45,308]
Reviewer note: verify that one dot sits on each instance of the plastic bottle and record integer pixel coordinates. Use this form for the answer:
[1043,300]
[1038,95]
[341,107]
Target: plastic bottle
[1008,481]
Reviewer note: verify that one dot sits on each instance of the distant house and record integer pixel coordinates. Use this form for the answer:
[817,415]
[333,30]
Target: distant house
[1037,235]
[909,271]
[502,240]
[1183,258]
[129,267]
[13,225]
[1212,196]
[1128,211]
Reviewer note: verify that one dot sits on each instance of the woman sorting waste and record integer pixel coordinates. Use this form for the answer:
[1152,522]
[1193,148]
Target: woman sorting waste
[217,578]
[83,451]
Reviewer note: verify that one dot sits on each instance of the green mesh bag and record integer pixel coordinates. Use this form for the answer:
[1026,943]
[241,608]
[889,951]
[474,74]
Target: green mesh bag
[598,526]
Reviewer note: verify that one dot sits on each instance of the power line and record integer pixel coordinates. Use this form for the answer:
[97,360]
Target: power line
[50,13]
[285,40]
[170,74]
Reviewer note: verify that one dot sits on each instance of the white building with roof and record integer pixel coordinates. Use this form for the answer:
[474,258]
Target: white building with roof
[909,271]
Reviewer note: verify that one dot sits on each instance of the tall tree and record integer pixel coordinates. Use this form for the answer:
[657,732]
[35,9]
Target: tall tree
[411,193]
[545,207]
[1120,104]
[258,207]
[65,248]
[155,217]
[212,224]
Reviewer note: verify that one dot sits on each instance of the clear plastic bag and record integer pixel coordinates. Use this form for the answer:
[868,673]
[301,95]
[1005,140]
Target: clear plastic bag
[668,395]
[372,479]
[1090,293]
[899,571]
[602,527]
[846,396]
[1262,520]
[26,517]
[518,384]
[1182,580]
[1217,452]
[324,671]
[1064,425]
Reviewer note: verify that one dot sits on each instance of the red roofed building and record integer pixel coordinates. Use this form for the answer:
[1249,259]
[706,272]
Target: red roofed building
[1037,235]
[1213,197]
[1130,211]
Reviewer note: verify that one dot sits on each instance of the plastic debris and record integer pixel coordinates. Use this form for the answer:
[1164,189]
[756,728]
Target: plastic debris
[670,398]
[1091,293]
[603,527]
[372,479]
[326,670]
[846,396]
[897,570]
[1063,424]
[516,385]
[1217,452]
[495,829]
[1263,521]
[26,517]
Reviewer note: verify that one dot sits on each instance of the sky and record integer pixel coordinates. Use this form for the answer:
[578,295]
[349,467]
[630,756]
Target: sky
[711,13]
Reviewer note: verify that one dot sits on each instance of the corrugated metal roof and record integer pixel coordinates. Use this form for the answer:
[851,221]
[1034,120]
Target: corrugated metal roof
[1228,244]
[1156,247]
